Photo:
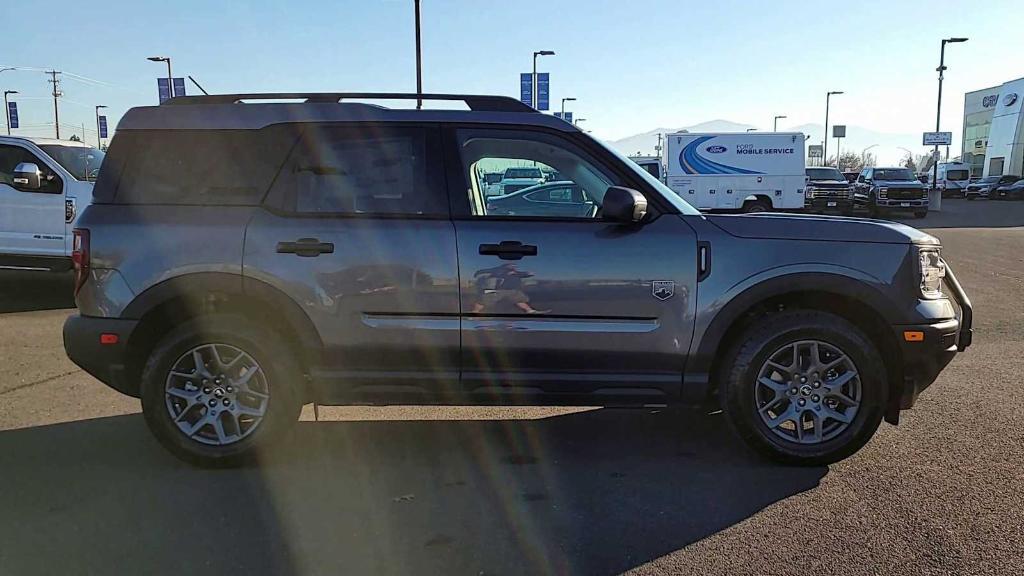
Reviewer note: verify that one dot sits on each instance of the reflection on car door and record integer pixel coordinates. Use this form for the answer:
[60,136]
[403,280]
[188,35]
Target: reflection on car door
[569,305]
[31,222]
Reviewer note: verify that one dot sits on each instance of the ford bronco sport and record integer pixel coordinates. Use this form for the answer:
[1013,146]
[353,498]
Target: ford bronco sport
[242,258]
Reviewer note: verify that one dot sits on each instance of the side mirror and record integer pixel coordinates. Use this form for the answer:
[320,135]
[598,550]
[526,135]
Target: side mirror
[27,176]
[623,205]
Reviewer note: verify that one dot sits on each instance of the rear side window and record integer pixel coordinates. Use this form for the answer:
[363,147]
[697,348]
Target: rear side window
[204,167]
[363,169]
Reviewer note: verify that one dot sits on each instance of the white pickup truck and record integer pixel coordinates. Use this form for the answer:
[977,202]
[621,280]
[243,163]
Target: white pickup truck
[44,185]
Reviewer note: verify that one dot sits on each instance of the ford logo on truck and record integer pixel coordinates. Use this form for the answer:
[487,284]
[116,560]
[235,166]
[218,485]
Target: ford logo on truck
[716,149]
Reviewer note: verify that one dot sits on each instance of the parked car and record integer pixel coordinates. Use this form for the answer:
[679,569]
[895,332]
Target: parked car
[1013,191]
[519,178]
[953,177]
[556,199]
[884,190]
[827,190]
[43,185]
[343,254]
[492,183]
[984,187]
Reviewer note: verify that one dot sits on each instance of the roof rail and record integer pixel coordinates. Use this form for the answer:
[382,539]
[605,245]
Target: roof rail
[475,103]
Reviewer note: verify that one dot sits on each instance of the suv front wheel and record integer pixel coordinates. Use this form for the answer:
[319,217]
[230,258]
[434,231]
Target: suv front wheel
[217,388]
[804,387]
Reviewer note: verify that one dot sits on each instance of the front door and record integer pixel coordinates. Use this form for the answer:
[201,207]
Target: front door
[566,304]
[358,234]
[31,222]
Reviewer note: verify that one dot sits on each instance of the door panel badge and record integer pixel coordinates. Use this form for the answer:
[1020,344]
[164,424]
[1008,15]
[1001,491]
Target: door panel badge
[663,289]
[69,209]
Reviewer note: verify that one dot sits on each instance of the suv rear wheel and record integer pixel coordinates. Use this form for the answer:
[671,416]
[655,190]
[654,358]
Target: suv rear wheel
[217,388]
[804,387]
[755,206]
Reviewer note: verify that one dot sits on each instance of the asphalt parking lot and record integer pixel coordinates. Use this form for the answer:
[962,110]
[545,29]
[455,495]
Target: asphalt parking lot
[84,488]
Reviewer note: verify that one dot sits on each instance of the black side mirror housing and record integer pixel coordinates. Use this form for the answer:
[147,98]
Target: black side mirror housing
[623,205]
[27,176]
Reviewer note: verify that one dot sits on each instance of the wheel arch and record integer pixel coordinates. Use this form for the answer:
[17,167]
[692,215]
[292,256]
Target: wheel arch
[188,296]
[851,298]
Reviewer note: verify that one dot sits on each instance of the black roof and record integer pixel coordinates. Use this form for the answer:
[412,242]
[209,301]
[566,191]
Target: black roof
[255,111]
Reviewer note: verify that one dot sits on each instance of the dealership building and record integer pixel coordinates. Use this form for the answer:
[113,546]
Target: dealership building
[993,136]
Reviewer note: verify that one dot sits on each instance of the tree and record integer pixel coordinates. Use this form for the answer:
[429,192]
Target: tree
[908,162]
[850,161]
[75,138]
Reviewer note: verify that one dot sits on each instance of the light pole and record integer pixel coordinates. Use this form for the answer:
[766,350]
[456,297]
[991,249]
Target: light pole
[824,154]
[7,110]
[751,129]
[564,100]
[577,121]
[937,202]
[865,151]
[775,123]
[170,79]
[419,66]
[99,143]
[534,80]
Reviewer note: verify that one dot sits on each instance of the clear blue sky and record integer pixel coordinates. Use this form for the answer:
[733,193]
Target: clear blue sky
[633,66]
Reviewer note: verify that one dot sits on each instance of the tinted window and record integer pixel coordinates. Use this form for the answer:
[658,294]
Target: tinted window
[893,174]
[364,170]
[825,174]
[221,167]
[523,173]
[956,175]
[83,162]
[11,156]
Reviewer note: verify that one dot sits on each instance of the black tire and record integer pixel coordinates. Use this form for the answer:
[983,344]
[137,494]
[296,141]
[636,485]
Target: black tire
[972,196]
[283,381]
[920,213]
[772,332]
[756,206]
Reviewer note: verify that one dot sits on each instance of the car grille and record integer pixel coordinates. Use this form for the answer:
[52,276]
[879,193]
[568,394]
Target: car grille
[829,190]
[906,194]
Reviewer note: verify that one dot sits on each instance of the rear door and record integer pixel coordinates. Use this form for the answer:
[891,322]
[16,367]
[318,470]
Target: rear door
[357,231]
[31,222]
[566,304]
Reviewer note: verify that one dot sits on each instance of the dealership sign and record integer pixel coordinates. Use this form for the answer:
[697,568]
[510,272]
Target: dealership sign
[814,151]
[937,139]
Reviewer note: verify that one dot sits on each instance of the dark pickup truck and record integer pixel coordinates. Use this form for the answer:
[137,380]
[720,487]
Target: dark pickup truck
[885,190]
[827,190]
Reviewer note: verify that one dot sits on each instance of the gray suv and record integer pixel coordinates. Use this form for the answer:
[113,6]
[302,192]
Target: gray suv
[243,258]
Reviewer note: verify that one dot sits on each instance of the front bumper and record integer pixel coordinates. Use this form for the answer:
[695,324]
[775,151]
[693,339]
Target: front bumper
[901,204]
[106,362]
[924,359]
[827,203]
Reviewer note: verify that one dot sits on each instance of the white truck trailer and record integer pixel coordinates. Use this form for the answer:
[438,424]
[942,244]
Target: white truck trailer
[751,172]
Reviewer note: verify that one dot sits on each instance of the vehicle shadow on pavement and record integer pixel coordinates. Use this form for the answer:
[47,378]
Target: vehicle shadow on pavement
[594,492]
[960,213]
[29,291]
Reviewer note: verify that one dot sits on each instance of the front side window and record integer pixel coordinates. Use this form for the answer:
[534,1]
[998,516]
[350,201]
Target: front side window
[82,162]
[372,170]
[11,156]
[524,159]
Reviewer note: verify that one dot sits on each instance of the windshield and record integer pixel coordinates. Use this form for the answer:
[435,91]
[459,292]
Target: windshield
[665,192]
[523,173]
[825,174]
[82,162]
[956,175]
[899,174]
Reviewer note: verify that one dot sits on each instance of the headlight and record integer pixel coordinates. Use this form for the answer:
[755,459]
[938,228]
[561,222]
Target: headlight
[809,192]
[932,270]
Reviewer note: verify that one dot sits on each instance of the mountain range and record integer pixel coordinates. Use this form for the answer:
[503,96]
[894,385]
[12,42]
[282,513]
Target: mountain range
[886,146]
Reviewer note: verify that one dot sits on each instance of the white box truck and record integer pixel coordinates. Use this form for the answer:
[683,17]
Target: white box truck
[752,171]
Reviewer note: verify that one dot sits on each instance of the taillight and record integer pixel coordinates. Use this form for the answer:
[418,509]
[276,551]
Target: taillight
[80,256]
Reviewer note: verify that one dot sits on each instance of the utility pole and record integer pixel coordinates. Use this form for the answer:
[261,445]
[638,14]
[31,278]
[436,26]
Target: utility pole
[419,64]
[824,154]
[56,93]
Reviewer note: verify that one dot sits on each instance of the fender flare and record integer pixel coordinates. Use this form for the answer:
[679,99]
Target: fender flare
[844,282]
[197,285]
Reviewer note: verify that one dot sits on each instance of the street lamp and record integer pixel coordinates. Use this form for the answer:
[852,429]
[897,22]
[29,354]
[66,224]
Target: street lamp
[170,79]
[578,120]
[865,151]
[7,109]
[99,143]
[535,54]
[938,115]
[751,129]
[564,100]
[419,66]
[775,123]
[824,154]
